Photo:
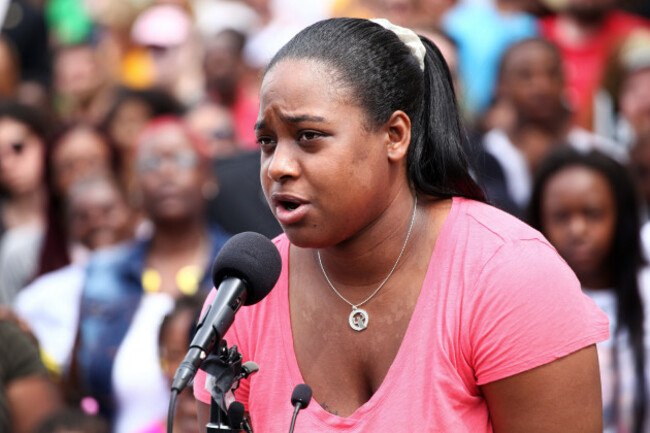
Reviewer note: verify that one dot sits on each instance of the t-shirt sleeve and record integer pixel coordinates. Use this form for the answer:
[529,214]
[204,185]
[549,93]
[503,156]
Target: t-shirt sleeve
[527,309]
[23,359]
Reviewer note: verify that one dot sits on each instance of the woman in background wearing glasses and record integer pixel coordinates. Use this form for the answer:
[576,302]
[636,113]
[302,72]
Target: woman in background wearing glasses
[130,288]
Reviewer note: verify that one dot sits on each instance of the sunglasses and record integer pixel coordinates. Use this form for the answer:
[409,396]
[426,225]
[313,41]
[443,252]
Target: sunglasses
[182,161]
[223,134]
[15,148]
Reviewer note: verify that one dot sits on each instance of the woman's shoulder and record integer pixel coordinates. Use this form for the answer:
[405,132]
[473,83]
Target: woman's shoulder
[492,222]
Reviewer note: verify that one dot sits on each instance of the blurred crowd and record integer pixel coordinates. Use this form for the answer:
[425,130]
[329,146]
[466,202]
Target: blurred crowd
[128,157]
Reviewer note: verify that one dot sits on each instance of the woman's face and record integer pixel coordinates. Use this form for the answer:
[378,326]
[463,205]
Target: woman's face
[129,120]
[98,215]
[325,174]
[80,153]
[21,158]
[579,219]
[532,80]
[170,175]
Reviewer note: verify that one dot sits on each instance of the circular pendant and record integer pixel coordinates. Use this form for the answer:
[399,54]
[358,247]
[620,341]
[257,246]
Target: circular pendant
[358,319]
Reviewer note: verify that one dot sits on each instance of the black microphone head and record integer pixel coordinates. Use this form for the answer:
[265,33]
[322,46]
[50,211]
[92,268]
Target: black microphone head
[301,395]
[253,258]
[235,414]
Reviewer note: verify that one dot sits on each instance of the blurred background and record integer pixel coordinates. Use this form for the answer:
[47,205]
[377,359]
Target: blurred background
[128,157]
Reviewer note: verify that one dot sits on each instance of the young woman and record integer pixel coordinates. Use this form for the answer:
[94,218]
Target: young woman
[78,151]
[23,195]
[585,205]
[129,288]
[405,302]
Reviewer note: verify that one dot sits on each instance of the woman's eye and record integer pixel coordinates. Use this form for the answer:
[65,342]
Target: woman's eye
[308,135]
[264,142]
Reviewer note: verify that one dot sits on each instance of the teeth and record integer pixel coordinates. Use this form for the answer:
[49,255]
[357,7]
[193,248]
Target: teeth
[290,205]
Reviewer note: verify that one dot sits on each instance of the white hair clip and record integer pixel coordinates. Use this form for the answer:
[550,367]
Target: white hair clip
[408,36]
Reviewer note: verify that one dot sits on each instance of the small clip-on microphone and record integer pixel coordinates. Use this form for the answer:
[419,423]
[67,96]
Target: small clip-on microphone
[300,398]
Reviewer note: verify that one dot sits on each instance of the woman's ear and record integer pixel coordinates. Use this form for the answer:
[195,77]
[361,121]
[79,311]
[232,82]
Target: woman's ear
[398,129]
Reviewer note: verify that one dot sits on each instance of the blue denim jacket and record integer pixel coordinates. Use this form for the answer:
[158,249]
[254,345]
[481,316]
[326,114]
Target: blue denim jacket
[110,299]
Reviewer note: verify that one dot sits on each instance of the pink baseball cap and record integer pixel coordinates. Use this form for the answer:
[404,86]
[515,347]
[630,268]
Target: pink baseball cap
[161,26]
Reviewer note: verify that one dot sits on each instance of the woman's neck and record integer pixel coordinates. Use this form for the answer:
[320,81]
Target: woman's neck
[600,280]
[28,208]
[178,239]
[368,257]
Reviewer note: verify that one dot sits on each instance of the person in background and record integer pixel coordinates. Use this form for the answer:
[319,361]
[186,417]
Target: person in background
[24,25]
[9,69]
[77,152]
[640,167]
[483,31]
[97,216]
[586,33]
[228,82]
[431,12]
[27,395]
[82,89]
[129,288]
[131,110]
[164,31]
[531,81]
[176,332]
[585,204]
[214,123]
[23,195]
[627,87]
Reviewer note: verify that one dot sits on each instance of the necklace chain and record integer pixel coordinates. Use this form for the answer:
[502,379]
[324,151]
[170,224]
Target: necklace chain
[355,307]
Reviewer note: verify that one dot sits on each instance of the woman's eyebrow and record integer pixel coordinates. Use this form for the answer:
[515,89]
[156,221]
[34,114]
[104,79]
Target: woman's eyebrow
[260,124]
[304,118]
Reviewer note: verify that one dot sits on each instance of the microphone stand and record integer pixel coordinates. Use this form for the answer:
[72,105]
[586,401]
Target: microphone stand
[225,366]
[217,417]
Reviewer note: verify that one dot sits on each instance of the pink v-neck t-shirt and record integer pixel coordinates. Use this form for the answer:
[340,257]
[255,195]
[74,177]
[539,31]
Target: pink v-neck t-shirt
[497,300]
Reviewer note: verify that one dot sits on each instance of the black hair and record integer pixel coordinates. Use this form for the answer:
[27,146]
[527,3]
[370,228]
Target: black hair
[236,38]
[33,118]
[625,257]
[158,100]
[30,116]
[505,57]
[384,76]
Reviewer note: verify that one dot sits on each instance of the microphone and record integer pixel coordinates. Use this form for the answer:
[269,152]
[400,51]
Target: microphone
[235,415]
[244,272]
[300,398]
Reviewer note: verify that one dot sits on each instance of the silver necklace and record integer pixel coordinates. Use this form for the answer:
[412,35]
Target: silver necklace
[358,319]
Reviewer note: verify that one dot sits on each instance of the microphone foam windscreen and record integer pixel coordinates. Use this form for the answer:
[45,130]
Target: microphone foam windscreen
[235,414]
[251,257]
[301,394]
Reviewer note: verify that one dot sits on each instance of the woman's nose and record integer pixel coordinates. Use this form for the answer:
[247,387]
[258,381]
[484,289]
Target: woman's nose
[282,163]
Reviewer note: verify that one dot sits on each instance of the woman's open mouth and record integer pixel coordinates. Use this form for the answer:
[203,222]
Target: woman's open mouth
[289,209]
